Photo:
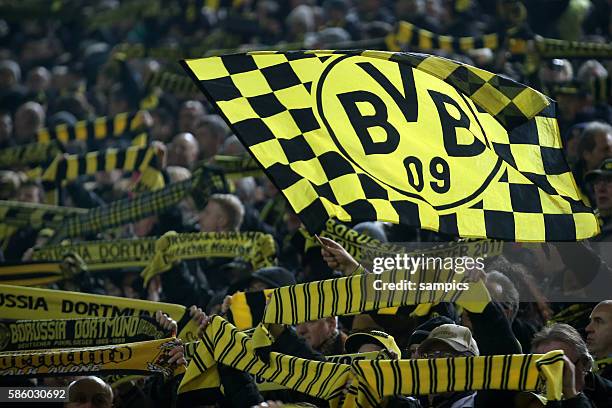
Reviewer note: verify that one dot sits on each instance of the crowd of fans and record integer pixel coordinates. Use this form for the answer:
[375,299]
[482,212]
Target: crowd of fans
[56,70]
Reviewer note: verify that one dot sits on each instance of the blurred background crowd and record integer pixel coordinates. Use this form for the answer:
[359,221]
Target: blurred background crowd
[67,61]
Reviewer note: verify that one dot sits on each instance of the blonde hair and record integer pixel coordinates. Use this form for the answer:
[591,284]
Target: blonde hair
[233,208]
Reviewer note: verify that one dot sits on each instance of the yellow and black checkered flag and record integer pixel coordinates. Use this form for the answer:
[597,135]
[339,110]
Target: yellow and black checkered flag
[401,137]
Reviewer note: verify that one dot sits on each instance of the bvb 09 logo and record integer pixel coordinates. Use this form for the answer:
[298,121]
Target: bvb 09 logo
[407,129]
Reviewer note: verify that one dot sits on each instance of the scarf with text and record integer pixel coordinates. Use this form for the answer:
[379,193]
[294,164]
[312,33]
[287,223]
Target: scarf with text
[102,255]
[72,333]
[145,358]
[18,303]
[364,248]
[255,247]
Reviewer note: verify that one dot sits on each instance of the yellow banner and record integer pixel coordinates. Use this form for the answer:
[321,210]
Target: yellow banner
[100,255]
[145,358]
[70,333]
[255,247]
[19,303]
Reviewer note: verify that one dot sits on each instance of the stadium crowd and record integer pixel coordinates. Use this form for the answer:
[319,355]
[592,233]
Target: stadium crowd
[69,66]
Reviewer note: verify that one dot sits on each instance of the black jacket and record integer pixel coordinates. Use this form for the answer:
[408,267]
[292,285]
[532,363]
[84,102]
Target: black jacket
[493,334]
[598,390]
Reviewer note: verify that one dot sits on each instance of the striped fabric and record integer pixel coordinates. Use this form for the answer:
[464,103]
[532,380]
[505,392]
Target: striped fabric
[204,183]
[372,380]
[357,294]
[97,129]
[68,168]
[31,154]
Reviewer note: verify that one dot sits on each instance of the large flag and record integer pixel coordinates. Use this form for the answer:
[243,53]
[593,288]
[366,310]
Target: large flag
[401,137]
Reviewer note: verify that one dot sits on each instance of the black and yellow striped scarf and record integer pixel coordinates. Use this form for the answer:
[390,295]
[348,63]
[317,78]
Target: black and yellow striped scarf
[16,214]
[65,169]
[315,300]
[211,385]
[203,183]
[407,34]
[357,294]
[69,168]
[555,48]
[247,308]
[599,88]
[170,82]
[29,155]
[257,248]
[145,358]
[223,343]
[236,167]
[98,129]
[19,302]
[20,214]
[573,314]
[373,380]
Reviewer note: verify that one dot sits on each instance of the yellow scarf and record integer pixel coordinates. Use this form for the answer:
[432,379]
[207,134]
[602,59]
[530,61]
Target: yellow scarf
[356,294]
[147,357]
[257,248]
[100,255]
[73,333]
[373,380]
[17,302]
[97,129]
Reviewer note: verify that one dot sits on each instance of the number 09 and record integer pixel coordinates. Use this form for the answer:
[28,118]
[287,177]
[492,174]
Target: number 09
[438,168]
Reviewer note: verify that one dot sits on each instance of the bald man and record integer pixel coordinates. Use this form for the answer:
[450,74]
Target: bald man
[89,392]
[599,335]
[189,115]
[183,150]
[29,118]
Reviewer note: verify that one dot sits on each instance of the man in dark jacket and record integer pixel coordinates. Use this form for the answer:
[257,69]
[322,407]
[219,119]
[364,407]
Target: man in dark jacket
[599,337]
[601,180]
[586,387]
